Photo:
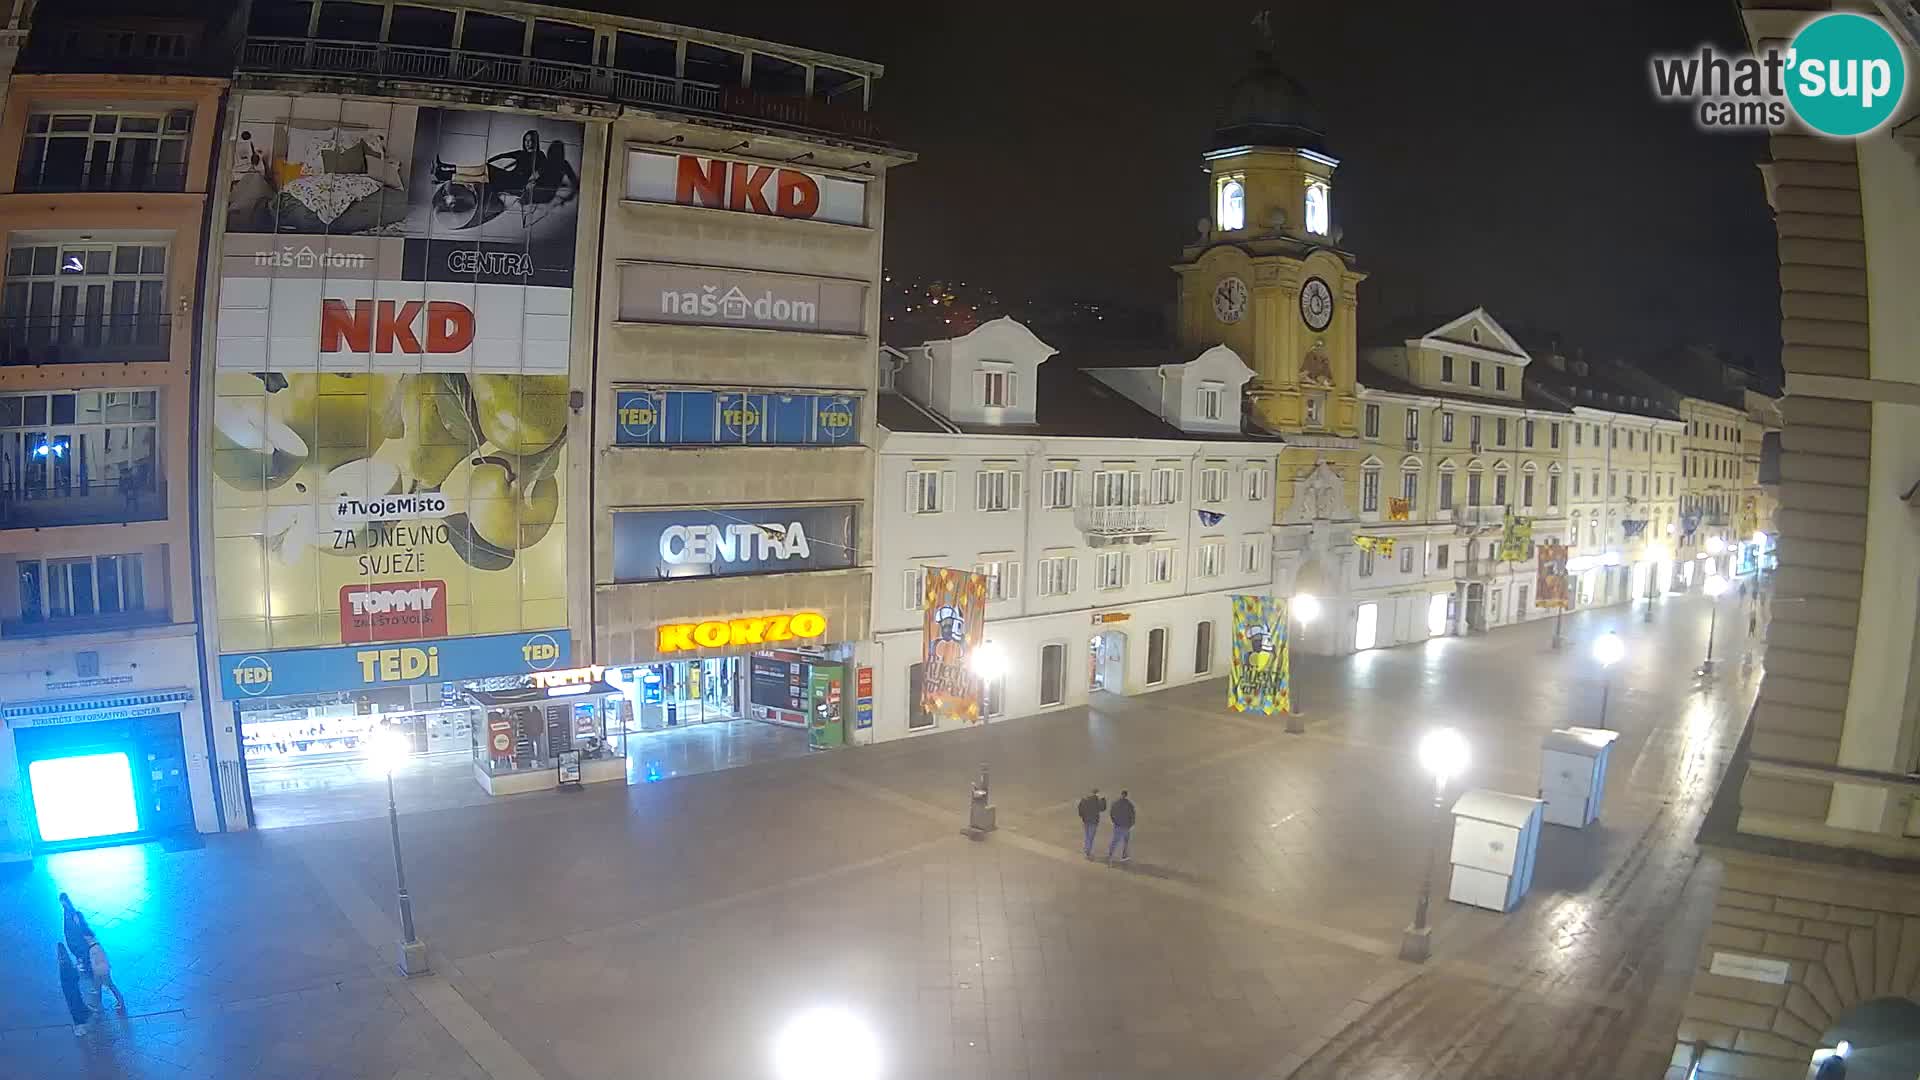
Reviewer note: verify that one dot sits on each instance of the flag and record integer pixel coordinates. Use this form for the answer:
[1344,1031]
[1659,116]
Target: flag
[1379,545]
[1631,529]
[1257,680]
[1210,518]
[1399,509]
[954,622]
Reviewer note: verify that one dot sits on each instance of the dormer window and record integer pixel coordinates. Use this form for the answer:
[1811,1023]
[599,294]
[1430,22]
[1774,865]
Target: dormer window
[1233,206]
[1318,216]
[996,388]
[1209,400]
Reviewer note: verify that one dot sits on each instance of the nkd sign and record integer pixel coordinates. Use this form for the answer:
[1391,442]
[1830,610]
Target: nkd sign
[713,296]
[655,545]
[744,187]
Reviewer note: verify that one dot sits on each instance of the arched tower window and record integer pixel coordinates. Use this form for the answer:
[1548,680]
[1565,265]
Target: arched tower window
[1233,206]
[1317,210]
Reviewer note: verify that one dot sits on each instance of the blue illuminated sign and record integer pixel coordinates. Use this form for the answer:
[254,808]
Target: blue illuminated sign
[672,417]
[360,667]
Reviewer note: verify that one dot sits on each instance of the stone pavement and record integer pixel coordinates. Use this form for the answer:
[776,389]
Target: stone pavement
[669,929]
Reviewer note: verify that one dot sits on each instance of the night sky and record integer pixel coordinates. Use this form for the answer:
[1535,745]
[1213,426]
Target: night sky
[1512,156]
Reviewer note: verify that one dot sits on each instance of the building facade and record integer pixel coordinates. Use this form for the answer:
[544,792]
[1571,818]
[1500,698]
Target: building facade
[1816,824]
[106,159]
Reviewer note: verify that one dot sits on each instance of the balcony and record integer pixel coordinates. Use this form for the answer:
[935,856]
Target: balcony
[1120,524]
[1470,519]
[100,175]
[102,503]
[83,624]
[28,340]
[380,61]
[1475,568]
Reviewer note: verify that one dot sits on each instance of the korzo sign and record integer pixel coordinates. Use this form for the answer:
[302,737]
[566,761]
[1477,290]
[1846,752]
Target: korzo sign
[652,545]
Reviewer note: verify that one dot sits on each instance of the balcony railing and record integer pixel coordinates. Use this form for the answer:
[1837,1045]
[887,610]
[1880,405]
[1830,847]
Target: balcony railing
[106,502]
[101,175]
[85,339]
[1121,522]
[1479,517]
[83,624]
[276,55]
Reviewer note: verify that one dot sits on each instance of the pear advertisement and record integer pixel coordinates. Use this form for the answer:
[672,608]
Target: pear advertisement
[391,394]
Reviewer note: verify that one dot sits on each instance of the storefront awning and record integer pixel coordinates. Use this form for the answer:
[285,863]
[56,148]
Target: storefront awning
[88,710]
[527,695]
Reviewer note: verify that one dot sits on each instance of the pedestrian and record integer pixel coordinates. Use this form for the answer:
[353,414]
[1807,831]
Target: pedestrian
[1090,808]
[103,973]
[1122,829]
[75,929]
[70,988]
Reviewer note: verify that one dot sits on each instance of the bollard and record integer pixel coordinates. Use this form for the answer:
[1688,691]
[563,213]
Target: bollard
[981,815]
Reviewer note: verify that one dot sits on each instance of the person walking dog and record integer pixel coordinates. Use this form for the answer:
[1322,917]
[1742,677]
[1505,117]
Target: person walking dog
[73,927]
[1090,809]
[1123,818]
[103,973]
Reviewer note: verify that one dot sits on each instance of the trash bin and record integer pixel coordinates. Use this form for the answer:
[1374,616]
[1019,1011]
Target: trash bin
[1495,837]
[1573,774]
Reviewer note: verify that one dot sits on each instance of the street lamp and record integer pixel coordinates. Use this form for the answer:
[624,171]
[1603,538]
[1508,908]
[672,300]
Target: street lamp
[387,749]
[1607,651]
[1306,608]
[1713,588]
[826,1044]
[1443,752]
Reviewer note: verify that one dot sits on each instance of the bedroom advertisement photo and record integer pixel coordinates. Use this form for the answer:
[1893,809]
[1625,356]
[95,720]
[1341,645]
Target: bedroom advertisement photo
[393,339]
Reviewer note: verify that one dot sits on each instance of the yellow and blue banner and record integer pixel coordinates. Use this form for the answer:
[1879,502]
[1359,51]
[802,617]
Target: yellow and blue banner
[1516,536]
[1258,679]
[955,622]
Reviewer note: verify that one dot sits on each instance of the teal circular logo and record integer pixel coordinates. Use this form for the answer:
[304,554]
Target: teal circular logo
[1846,74]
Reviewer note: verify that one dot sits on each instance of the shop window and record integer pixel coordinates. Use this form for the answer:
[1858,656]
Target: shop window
[644,53]
[349,22]
[495,34]
[426,27]
[918,718]
[564,42]
[719,67]
[1053,674]
[772,75]
[1203,648]
[1156,656]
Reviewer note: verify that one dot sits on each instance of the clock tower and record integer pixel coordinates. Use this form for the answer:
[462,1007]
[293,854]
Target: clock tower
[1266,275]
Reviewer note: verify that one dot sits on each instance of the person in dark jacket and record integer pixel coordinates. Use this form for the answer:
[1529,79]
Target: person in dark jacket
[1090,808]
[70,989]
[73,927]
[1122,828]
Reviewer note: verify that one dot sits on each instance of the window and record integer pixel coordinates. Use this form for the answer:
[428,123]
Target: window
[1526,491]
[705,63]
[1057,488]
[1577,429]
[1253,553]
[1113,570]
[1406,558]
[502,36]
[1059,574]
[1213,484]
[1212,560]
[1473,431]
[61,589]
[1116,487]
[1413,427]
[1366,563]
[1441,554]
[1003,576]
[993,696]
[913,584]
[1258,485]
[1576,482]
[1203,647]
[1164,486]
[996,388]
[1553,490]
[75,442]
[1553,436]
[1473,488]
[1500,431]
[1613,438]
[1318,215]
[641,53]
[1373,421]
[88,296]
[1500,489]
[1053,674]
[1160,562]
[1613,483]
[996,488]
[1446,427]
[927,490]
[1209,403]
[917,715]
[1410,488]
[1369,490]
[1499,376]
[1473,373]
[1526,434]
[1233,206]
[1446,490]
[1316,410]
[1156,656]
[107,151]
[1446,369]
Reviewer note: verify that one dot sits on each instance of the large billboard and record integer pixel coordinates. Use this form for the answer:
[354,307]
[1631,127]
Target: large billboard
[391,374]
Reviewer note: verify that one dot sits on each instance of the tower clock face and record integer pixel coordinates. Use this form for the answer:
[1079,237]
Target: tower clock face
[1316,304]
[1230,300]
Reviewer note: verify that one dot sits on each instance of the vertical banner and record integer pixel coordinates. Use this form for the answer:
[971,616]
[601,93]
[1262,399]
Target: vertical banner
[1516,535]
[1551,589]
[1259,681]
[955,620]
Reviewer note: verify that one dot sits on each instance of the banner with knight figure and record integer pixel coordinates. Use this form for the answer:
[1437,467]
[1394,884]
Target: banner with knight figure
[955,622]
[1258,680]
[1551,591]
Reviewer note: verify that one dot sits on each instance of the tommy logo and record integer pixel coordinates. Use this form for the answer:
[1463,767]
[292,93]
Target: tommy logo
[388,326]
[736,185]
[394,611]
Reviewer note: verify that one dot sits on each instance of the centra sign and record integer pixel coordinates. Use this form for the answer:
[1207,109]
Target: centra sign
[758,630]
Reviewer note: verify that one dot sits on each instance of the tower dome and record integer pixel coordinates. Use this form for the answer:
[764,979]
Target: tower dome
[1268,107]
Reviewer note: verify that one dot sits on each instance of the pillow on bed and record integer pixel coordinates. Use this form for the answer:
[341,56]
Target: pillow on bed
[353,159]
[386,170]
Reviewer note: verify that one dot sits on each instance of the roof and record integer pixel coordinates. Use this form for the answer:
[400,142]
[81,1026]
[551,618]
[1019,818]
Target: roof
[1374,378]
[1597,388]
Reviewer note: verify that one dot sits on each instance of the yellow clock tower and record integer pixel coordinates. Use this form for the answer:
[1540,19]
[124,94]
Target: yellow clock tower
[1266,276]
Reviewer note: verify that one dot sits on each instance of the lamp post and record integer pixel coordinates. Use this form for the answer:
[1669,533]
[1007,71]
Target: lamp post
[1306,608]
[1443,752]
[413,952]
[1713,588]
[1607,651]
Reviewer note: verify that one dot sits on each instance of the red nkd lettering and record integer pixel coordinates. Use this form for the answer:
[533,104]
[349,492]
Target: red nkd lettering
[748,190]
[795,194]
[700,183]
[387,326]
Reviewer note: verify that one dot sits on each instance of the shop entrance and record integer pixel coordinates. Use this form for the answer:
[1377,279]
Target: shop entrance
[1107,662]
[696,716]
[682,693]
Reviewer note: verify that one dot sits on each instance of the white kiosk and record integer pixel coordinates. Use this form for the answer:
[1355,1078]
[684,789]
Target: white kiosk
[1495,837]
[1573,774]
